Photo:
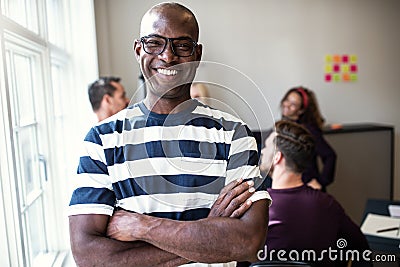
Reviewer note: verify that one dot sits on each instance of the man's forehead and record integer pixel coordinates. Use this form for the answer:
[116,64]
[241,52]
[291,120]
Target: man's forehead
[148,24]
[166,20]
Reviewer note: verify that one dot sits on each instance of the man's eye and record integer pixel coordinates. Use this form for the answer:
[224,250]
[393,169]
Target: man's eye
[184,46]
[153,42]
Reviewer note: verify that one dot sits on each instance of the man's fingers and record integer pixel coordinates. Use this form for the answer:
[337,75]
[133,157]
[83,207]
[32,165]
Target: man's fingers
[225,190]
[242,209]
[236,197]
[231,201]
[230,186]
[239,201]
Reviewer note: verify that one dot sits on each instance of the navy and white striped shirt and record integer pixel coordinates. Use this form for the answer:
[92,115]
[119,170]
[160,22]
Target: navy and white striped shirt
[171,166]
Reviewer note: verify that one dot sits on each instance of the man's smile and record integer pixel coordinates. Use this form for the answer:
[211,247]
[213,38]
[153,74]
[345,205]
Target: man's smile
[167,72]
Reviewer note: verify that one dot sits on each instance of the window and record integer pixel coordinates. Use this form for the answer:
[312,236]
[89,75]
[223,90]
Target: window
[23,12]
[42,89]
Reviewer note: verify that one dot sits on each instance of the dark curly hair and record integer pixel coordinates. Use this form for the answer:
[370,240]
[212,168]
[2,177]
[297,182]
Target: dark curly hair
[296,144]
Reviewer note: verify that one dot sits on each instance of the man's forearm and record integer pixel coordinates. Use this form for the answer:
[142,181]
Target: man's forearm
[93,249]
[220,239]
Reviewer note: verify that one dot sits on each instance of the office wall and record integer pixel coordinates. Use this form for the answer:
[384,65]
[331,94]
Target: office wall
[278,44]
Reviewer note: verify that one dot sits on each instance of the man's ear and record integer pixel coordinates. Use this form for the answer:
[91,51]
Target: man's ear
[106,100]
[137,47]
[277,157]
[199,52]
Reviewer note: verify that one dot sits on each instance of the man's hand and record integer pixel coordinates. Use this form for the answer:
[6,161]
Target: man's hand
[315,184]
[126,226]
[233,200]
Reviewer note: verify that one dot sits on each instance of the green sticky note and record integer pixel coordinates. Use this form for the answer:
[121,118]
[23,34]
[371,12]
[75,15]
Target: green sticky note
[336,77]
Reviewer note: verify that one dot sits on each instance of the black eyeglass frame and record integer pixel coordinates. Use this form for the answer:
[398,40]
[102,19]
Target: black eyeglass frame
[170,40]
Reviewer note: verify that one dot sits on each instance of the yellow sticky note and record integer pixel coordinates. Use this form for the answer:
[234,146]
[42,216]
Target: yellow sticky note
[328,68]
[345,68]
[328,58]
[353,58]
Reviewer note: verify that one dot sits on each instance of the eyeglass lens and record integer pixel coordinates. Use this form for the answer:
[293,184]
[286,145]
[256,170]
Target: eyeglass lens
[155,45]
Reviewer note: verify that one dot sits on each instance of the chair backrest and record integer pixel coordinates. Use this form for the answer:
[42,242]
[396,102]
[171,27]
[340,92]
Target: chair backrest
[280,264]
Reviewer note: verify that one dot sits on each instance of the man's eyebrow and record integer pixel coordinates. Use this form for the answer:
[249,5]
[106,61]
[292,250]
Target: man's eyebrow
[179,37]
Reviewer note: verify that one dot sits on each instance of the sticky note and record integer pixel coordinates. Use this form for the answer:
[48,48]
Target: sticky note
[336,58]
[346,77]
[336,68]
[353,59]
[336,77]
[345,68]
[328,68]
[353,68]
[328,77]
[345,58]
[328,59]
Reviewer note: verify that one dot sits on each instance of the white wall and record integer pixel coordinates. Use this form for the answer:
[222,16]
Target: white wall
[290,39]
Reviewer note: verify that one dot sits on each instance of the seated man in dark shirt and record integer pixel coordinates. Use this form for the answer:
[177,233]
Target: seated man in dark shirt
[306,224]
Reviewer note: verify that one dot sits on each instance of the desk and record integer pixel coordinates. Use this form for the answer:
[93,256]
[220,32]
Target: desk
[379,244]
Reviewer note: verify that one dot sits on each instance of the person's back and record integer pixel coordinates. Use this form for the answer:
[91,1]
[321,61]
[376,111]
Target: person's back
[303,218]
[305,223]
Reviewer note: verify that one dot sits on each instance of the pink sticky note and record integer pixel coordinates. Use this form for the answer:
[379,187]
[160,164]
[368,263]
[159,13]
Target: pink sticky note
[328,77]
[353,68]
[336,68]
[345,58]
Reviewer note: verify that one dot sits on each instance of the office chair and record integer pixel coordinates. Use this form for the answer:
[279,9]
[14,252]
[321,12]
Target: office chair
[280,264]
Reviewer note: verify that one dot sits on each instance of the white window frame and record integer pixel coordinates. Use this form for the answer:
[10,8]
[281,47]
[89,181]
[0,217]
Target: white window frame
[79,62]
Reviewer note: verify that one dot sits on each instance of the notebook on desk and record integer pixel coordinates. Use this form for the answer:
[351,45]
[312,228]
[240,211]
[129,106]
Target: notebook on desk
[394,210]
[381,226]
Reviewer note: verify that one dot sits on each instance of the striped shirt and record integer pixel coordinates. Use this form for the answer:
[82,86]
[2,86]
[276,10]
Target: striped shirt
[165,165]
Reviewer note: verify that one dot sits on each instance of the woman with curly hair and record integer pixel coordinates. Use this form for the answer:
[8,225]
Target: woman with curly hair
[299,104]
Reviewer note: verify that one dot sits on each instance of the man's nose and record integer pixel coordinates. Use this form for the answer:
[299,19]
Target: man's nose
[168,55]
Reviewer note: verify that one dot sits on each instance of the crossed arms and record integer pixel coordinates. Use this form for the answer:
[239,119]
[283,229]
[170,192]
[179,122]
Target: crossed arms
[234,230]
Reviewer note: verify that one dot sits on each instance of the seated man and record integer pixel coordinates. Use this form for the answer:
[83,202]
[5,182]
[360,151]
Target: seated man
[302,218]
[107,97]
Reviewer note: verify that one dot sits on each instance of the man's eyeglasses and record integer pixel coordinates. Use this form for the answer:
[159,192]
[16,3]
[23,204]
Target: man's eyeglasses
[156,44]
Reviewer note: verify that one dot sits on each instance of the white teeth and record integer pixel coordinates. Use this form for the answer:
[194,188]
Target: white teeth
[167,72]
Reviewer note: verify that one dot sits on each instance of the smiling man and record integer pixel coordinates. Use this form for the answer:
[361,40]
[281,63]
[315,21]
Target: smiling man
[176,176]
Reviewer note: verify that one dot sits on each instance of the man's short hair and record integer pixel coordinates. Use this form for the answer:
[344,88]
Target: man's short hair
[173,5]
[296,144]
[99,88]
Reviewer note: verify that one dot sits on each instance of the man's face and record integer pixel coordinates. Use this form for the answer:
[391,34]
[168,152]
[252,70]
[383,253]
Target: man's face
[267,154]
[118,101]
[164,71]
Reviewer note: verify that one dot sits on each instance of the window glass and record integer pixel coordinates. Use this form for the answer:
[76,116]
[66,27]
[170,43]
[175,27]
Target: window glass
[23,12]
